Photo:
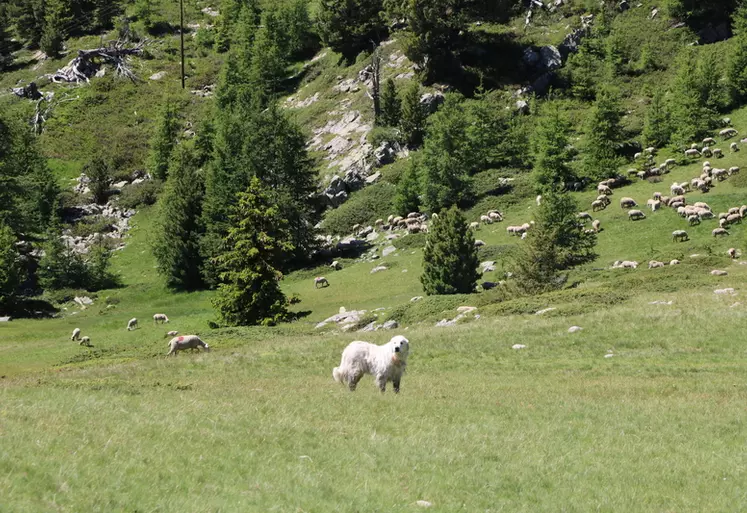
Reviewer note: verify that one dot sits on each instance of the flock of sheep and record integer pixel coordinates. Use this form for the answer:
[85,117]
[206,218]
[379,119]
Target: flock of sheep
[176,344]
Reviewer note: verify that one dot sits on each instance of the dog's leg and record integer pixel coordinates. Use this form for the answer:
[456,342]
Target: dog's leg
[395,383]
[381,383]
[353,381]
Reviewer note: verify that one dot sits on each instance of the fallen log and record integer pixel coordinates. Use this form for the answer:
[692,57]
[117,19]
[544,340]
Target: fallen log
[88,62]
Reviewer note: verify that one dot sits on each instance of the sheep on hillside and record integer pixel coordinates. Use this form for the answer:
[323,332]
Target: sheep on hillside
[132,324]
[732,252]
[635,215]
[734,147]
[85,341]
[597,205]
[727,133]
[679,236]
[320,281]
[76,334]
[653,264]
[160,318]
[596,225]
[628,203]
[584,216]
[177,344]
[692,152]
[718,232]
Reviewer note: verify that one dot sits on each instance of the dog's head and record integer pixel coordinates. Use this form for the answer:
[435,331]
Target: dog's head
[400,346]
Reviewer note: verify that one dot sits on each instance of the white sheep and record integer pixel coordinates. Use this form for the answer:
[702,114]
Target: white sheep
[132,324]
[706,152]
[676,189]
[669,163]
[171,334]
[653,264]
[653,204]
[674,262]
[85,341]
[495,216]
[628,203]
[734,147]
[486,220]
[634,215]
[76,334]
[733,170]
[177,344]
[732,252]
[709,141]
[604,189]
[336,265]
[539,200]
[727,133]
[160,318]
[679,236]
[657,196]
[584,216]
[692,152]
[743,210]
[596,225]
[320,281]
[718,153]
[604,199]
[719,232]
[474,225]
[734,219]
[693,220]
[597,205]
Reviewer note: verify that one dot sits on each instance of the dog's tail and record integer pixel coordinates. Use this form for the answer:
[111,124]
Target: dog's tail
[337,374]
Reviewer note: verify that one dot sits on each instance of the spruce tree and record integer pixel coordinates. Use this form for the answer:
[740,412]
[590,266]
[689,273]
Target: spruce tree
[657,128]
[550,149]
[99,173]
[447,158]
[349,26]
[412,122]
[176,245]
[736,71]
[555,242]
[391,105]
[408,189]
[690,118]
[450,257]
[6,46]
[249,292]
[98,268]
[29,19]
[163,141]
[55,19]
[10,268]
[603,135]
[61,267]
[267,68]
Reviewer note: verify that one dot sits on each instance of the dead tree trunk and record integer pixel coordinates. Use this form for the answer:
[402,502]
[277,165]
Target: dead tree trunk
[88,63]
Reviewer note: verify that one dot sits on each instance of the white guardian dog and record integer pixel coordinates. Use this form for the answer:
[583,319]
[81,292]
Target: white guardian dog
[384,363]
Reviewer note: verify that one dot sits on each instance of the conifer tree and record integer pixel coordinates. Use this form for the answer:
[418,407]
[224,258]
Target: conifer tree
[603,135]
[29,19]
[550,149]
[99,173]
[555,242]
[737,64]
[408,189]
[349,26]
[61,267]
[412,122]
[657,129]
[98,268]
[450,258]
[55,19]
[10,268]
[690,118]
[163,141]
[447,158]
[391,105]
[249,293]
[5,42]
[267,68]
[176,245]
[238,18]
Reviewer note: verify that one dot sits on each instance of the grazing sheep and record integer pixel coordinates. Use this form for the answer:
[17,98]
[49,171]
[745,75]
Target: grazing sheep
[657,196]
[628,203]
[669,163]
[604,189]
[596,225]
[171,334]
[85,341]
[132,324]
[474,225]
[677,204]
[653,204]
[706,152]
[385,363]
[495,216]
[727,133]
[706,164]
[584,216]
[723,223]
[674,262]
[734,219]
[709,141]
[733,210]
[160,317]
[701,204]
[539,200]
[693,220]
[734,147]
[486,220]
[676,189]
[177,344]
[604,199]
[719,232]
[653,264]
[692,152]
[76,334]
[732,252]
[742,210]
[718,153]
[625,264]
[597,205]
[320,280]
[634,215]
[650,150]
[413,215]
[336,265]
[733,170]
[637,155]
[390,219]
[679,236]
[479,243]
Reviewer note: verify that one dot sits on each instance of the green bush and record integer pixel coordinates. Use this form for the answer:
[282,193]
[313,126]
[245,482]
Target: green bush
[381,134]
[91,225]
[364,207]
[412,241]
[145,193]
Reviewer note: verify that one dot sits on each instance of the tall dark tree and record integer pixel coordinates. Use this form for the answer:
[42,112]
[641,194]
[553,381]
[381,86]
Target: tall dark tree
[259,241]
[297,28]
[238,18]
[408,189]
[603,135]
[29,19]
[56,18]
[10,268]
[435,37]
[412,122]
[61,267]
[450,257]
[657,128]
[6,46]
[349,26]
[447,158]
[736,71]
[690,118]
[176,245]
[267,145]
[391,105]
[99,173]
[550,148]
[556,241]
[163,141]
[267,68]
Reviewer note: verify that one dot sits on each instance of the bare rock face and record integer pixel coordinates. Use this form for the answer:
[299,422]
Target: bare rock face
[431,101]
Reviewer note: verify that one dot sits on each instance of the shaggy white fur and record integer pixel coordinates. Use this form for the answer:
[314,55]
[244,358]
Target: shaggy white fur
[385,363]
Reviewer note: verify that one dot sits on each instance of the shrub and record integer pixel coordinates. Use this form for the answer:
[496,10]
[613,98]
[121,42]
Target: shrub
[412,241]
[363,207]
[145,193]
